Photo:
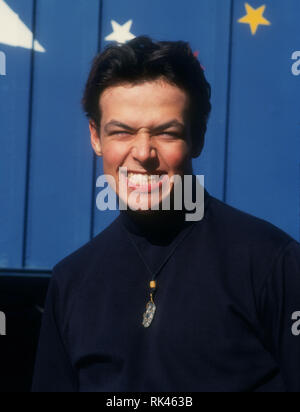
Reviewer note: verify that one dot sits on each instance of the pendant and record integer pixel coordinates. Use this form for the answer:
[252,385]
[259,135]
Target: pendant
[149,314]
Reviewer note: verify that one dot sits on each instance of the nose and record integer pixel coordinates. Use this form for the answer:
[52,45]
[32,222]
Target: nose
[143,149]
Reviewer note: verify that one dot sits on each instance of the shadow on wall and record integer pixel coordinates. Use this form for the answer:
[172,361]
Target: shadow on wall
[21,301]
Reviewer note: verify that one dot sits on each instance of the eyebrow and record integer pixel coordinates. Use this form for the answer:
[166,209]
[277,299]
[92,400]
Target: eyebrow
[161,127]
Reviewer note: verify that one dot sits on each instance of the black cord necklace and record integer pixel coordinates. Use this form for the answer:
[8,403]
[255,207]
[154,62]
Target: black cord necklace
[148,316]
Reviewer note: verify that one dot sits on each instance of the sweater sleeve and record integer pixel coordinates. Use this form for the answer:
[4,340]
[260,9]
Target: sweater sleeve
[280,314]
[53,370]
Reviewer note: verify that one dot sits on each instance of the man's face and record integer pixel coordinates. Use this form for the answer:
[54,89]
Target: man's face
[144,129]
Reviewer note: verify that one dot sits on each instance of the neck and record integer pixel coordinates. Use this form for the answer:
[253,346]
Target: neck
[158,225]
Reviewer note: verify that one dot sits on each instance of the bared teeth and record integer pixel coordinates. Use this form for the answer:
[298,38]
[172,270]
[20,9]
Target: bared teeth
[142,179]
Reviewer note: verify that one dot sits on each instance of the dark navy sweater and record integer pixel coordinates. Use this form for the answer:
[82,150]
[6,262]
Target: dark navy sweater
[227,319]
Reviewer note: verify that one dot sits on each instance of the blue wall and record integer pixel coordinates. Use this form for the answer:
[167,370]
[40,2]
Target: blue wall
[47,169]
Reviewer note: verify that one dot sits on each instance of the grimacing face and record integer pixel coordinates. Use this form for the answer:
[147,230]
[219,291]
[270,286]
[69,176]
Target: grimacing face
[144,128]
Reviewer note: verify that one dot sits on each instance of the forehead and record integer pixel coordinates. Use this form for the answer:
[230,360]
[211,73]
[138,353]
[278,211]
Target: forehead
[155,100]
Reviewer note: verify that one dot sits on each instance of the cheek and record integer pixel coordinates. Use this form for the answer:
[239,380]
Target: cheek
[176,156]
[113,155]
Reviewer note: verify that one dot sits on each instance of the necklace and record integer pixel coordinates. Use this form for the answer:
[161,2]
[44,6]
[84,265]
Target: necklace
[148,316]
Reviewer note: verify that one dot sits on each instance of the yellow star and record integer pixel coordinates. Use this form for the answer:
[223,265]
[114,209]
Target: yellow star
[255,18]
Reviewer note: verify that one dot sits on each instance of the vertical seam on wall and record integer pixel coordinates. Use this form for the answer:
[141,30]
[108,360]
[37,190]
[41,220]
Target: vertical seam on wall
[29,135]
[228,102]
[94,168]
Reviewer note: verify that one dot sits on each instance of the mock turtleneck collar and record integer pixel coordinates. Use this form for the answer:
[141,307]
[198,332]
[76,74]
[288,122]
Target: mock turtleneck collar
[159,227]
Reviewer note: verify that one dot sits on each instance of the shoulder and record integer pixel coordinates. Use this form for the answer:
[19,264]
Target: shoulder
[88,259]
[254,245]
[80,272]
[236,226]
[251,246]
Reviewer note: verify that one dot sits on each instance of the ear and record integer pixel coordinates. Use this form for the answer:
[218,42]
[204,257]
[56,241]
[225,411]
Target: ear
[95,138]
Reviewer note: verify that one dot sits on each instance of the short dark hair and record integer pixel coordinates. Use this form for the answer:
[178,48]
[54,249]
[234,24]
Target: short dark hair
[142,60]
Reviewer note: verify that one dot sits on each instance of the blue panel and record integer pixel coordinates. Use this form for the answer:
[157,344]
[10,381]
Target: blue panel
[262,167]
[264,139]
[14,95]
[206,25]
[61,157]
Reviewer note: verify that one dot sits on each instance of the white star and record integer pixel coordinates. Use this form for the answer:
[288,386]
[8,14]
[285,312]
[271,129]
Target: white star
[120,34]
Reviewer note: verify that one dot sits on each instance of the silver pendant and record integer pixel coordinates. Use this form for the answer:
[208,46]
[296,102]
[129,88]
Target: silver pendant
[149,314]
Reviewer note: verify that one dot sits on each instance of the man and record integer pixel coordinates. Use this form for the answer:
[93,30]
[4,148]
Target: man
[156,302]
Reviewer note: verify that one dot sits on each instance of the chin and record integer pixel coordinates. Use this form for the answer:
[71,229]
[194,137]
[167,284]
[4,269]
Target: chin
[143,204]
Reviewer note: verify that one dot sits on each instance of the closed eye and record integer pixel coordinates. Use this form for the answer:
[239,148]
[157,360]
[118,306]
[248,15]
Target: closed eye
[169,134]
[175,135]
[119,132]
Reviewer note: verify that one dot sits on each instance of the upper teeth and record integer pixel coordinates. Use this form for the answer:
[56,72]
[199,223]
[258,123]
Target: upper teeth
[142,178]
